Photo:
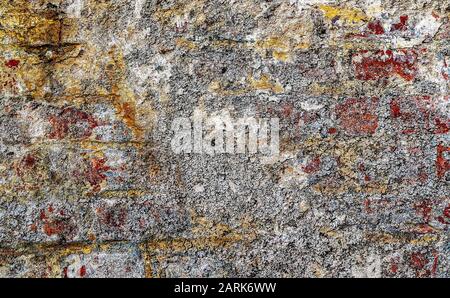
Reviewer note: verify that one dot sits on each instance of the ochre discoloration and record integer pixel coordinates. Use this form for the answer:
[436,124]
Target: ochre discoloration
[91,186]
[346,14]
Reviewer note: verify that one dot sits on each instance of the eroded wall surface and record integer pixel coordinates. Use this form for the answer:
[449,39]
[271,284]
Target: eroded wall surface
[89,183]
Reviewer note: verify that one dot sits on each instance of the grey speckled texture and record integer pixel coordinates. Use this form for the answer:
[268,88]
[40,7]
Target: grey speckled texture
[89,183]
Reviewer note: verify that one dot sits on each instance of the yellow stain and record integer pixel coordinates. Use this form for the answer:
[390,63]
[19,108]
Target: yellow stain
[265,83]
[124,99]
[424,240]
[387,238]
[280,56]
[349,15]
[273,43]
[184,43]
[330,232]
[280,47]
[281,39]
[302,46]
[29,28]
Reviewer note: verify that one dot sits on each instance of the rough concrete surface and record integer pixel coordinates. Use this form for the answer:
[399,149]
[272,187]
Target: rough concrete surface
[91,187]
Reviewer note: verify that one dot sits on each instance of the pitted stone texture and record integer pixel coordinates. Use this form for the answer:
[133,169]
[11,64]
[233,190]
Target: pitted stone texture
[89,183]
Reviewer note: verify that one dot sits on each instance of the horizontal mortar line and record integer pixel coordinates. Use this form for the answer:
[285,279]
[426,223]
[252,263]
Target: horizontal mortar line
[369,41]
[89,142]
[70,98]
[82,246]
[43,46]
[129,192]
[34,247]
[85,200]
[65,100]
[39,11]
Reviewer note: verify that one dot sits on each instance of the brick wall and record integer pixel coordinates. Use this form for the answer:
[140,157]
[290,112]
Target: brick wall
[89,183]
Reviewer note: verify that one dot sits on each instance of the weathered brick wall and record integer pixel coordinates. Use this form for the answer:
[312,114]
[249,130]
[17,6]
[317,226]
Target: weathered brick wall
[89,183]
